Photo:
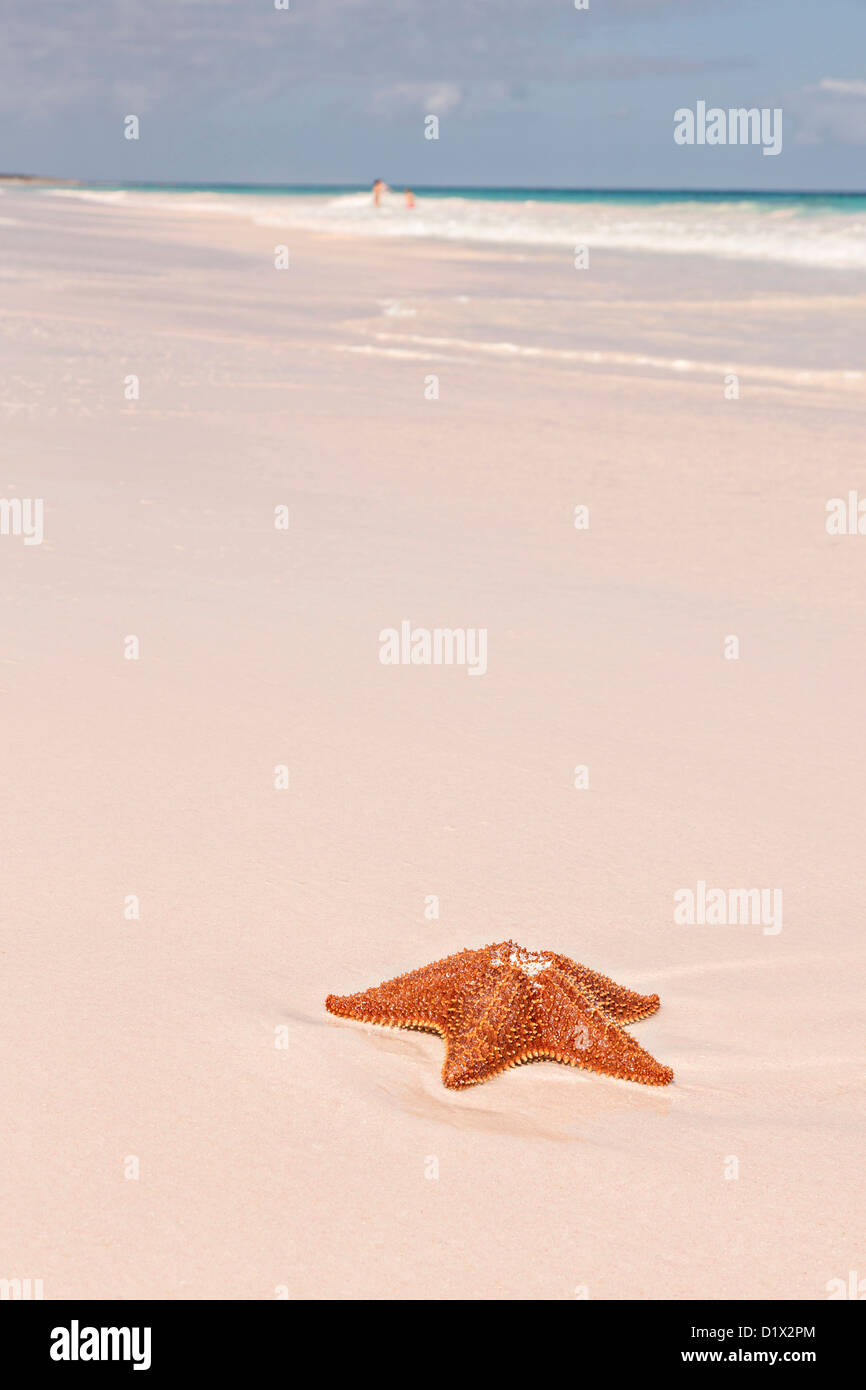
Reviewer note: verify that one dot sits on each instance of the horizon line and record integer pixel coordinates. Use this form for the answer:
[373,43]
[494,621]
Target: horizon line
[434,188]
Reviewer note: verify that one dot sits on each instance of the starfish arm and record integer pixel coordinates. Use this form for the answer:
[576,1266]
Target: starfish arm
[489,1031]
[624,1005]
[384,1006]
[584,1037]
[420,999]
[459,1068]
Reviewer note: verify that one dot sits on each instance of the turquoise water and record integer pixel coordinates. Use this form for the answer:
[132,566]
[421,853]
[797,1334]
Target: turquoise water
[805,202]
[826,230]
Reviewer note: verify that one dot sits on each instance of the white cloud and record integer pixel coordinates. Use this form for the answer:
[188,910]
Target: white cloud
[833,109]
[435,98]
[843,85]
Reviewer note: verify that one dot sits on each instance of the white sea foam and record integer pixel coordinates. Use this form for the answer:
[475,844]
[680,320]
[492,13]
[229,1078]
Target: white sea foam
[368,350]
[796,232]
[841,379]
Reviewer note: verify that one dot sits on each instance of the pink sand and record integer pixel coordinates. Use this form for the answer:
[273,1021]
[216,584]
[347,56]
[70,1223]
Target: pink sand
[306,1169]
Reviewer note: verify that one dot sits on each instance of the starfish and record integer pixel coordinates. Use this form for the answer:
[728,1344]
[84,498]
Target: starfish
[502,1005]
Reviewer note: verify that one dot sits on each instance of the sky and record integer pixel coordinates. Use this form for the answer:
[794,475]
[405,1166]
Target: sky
[528,93]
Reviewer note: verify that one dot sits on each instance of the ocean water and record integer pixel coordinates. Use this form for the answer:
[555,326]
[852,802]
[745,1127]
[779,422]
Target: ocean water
[818,230]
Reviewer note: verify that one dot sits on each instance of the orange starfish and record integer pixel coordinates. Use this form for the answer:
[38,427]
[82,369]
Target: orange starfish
[502,1005]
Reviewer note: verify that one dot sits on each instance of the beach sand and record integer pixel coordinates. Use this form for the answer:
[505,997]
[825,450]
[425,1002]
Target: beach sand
[338,1166]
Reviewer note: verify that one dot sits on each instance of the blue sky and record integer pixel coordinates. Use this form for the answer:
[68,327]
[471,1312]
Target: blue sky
[528,92]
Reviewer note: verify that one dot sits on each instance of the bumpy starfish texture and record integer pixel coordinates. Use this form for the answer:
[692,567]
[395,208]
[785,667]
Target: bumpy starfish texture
[502,1005]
